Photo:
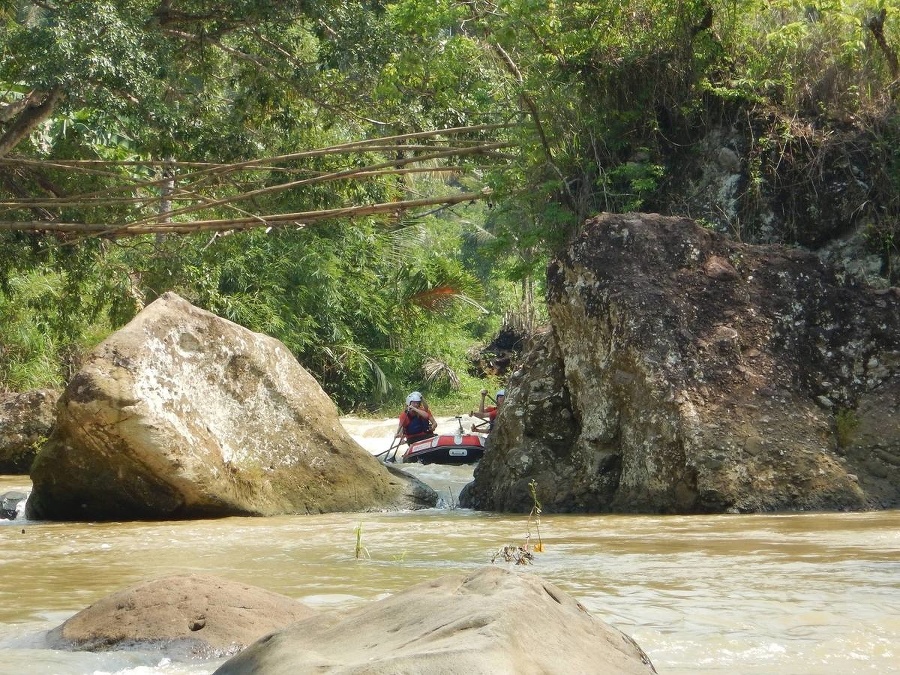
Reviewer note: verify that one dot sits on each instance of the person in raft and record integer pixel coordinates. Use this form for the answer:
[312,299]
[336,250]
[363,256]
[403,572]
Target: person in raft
[416,421]
[489,413]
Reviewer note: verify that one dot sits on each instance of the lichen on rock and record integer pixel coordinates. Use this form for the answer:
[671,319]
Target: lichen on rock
[182,414]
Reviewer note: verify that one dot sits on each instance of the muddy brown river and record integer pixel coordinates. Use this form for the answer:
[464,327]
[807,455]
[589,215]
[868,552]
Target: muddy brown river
[811,593]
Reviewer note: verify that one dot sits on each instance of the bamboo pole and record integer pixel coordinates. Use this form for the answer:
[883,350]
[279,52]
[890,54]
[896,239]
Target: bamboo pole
[187,191]
[188,186]
[336,175]
[299,219]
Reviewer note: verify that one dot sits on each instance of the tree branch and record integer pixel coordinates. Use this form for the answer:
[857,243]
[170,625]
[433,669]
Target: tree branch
[40,106]
[875,23]
[250,222]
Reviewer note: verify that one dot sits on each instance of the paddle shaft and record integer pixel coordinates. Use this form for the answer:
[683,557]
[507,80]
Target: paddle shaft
[395,443]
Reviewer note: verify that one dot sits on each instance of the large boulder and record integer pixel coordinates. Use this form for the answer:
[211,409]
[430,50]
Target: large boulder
[26,421]
[183,414]
[685,372]
[491,621]
[186,615]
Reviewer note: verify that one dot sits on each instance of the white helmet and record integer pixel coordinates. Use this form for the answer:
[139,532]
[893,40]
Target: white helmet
[415,396]
[500,393]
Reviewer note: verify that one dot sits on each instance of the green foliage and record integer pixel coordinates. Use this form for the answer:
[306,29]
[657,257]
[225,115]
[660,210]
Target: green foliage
[630,184]
[846,421]
[27,348]
[598,96]
[49,315]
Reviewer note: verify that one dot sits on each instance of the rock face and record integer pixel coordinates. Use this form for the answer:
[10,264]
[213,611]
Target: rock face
[492,621]
[195,615]
[182,414]
[25,423]
[688,373]
[827,188]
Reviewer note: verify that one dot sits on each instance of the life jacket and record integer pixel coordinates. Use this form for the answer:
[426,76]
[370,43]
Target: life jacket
[414,425]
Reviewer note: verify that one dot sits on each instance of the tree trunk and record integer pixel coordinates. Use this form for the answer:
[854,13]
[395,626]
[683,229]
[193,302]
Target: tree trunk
[166,189]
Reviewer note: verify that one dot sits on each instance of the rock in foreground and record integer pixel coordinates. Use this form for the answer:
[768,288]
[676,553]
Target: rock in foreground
[491,621]
[189,615]
[182,414]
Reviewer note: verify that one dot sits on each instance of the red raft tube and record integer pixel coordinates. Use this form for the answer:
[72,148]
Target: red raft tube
[458,448]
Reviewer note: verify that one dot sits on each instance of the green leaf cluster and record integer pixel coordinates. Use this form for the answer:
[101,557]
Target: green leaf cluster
[148,101]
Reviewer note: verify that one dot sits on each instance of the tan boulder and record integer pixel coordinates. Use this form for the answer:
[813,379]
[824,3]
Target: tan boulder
[198,615]
[491,621]
[182,414]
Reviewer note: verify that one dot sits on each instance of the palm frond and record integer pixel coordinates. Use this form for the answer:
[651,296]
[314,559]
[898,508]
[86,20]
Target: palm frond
[478,234]
[338,354]
[437,370]
[441,298]
[410,237]
[434,299]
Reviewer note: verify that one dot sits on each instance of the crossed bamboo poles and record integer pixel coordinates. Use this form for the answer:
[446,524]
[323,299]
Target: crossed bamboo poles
[186,188]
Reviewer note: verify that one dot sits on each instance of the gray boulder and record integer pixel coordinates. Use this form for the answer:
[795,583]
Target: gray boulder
[26,420]
[182,414]
[185,615]
[685,372]
[11,504]
[491,621]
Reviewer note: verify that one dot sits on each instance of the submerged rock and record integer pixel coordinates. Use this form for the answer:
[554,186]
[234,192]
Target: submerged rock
[182,414]
[685,372]
[12,503]
[185,615]
[490,621]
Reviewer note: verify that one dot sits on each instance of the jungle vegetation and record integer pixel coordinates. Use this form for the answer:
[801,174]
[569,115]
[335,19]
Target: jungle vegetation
[379,184]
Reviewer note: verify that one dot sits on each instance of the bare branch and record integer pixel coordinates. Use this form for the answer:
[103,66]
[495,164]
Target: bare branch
[10,110]
[247,223]
[875,23]
[337,175]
